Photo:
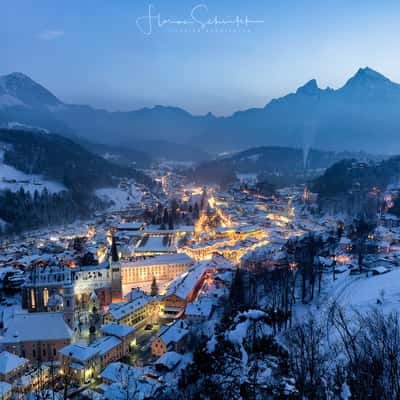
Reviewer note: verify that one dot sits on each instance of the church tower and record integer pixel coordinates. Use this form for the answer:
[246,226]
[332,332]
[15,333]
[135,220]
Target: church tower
[115,266]
[69,304]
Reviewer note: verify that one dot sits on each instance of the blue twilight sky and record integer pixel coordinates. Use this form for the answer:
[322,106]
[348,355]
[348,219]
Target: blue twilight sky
[91,51]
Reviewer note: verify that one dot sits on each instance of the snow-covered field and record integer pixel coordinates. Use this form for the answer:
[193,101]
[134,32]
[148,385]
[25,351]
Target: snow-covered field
[355,294]
[120,198]
[13,179]
[361,293]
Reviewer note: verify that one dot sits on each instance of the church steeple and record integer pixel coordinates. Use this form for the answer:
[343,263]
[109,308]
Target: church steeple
[69,303]
[115,265]
[114,251]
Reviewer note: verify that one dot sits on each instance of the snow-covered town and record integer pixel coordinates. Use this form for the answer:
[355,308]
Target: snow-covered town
[199,201]
[121,306]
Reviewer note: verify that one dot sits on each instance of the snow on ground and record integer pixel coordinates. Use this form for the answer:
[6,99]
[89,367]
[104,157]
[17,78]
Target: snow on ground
[119,197]
[13,179]
[382,290]
[237,336]
[239,333]
[357,293]
[9,101]
[19,126]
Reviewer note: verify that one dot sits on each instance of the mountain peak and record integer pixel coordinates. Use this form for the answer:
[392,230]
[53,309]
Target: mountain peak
[310,88]
[25,90]
[368,72]
[367,75]
[16,75]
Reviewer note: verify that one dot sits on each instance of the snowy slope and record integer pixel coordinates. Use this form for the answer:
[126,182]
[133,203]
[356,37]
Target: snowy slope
[13,179]
[362,293]
[355,294]
[120,198]
[9,101]
[19,126]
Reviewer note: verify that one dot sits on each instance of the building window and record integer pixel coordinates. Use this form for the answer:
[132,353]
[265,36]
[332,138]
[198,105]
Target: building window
[45,296]
[33,302]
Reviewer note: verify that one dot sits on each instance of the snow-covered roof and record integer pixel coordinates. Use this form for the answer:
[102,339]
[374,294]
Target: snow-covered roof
[10,362]
[168,259]
[159,243]
[5,387]
[79,352]
[134,294]
[83,353]
[38,326]
[105,344]
[131,226]
[174,333]
[114,371]
[380,269]
[170,359]
[117,330]
[200,308]
[127,308]
[184,283]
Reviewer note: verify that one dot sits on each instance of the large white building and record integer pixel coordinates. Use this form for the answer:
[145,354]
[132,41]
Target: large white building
[140,273]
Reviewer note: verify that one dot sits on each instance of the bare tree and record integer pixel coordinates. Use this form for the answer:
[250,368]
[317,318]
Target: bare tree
[308,358]
[371,343]
[360,230]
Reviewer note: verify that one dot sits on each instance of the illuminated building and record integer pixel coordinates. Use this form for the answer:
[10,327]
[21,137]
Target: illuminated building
[230,242]
[42,283]
[171,338]
[12,366]
[37,336]
[185,288]
[142,271]
[135,313]
[84,362]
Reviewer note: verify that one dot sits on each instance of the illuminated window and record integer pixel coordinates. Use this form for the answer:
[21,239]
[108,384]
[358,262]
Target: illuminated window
[33,302]
[45,296]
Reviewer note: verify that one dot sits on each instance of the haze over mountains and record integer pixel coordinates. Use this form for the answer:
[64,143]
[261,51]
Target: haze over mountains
[361,115]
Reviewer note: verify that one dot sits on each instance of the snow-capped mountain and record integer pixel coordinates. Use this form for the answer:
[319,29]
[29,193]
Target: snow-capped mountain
[17,89]
[353,117]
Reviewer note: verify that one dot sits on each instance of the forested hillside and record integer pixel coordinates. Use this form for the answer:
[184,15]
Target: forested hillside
[62,160]
[58,159]
[277,165]
[349,174]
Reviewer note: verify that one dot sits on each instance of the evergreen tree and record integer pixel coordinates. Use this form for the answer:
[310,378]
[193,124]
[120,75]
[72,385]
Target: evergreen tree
[154,287]
[170,223]
[196,211]
[166,216]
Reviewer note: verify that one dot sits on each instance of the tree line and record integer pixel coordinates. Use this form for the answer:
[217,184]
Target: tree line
[23,211]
